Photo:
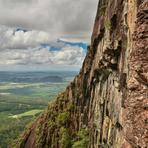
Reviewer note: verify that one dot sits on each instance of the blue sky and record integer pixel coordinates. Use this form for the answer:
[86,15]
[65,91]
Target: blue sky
[64,43]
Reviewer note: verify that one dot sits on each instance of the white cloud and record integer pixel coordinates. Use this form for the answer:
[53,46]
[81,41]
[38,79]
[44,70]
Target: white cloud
[11,39]
[24,48]
[67,56]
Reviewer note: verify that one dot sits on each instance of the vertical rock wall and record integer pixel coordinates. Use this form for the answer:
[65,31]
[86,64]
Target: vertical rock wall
[109,96]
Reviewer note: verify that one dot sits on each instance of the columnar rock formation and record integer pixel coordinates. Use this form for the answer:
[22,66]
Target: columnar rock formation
[106,106]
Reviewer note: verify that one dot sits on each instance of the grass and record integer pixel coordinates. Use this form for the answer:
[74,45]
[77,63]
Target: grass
[22,103]
[10,128]
[28,113]
[5,86]
[82,139]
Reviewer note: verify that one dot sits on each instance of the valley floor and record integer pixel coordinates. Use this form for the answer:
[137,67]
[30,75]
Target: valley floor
[18,107]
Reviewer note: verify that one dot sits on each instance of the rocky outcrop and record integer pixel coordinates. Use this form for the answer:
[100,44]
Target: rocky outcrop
[106,106]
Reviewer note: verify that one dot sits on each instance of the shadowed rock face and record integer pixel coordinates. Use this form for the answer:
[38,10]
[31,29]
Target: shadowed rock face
[109,97]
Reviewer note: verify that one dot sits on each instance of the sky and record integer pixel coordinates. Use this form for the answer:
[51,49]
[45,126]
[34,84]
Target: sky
[45,34]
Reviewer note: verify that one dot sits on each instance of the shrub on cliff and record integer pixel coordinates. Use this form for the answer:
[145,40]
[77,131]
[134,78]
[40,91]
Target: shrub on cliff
[63,118]
[81,140]
[65,140]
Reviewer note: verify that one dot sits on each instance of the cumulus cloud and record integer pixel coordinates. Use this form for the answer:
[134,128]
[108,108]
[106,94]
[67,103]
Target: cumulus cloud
[69,56]
[66,56]
[22,47]
[12,39]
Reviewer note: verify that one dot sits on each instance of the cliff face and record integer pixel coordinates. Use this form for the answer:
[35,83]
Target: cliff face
[106,104]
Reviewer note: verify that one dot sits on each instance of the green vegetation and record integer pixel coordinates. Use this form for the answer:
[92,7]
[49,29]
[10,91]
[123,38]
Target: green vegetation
[10,128]
[28,113]
[65,140]
[51,123]
[57,121]
[107,24]
[102,9]
[81,140]
[62,118]
[22,103]
[57,130]
[70,106]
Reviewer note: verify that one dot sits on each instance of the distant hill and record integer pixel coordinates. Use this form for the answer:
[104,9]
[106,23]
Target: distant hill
[36,77]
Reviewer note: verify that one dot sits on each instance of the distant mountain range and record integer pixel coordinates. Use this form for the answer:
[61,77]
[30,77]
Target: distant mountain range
[36,77]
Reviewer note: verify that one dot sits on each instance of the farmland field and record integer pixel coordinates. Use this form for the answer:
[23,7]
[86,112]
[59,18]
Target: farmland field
[23,96]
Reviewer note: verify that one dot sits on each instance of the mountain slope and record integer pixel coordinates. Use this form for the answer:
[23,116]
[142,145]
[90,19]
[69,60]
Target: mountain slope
[105,105]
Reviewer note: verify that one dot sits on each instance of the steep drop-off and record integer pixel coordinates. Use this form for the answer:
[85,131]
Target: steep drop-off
[106,106]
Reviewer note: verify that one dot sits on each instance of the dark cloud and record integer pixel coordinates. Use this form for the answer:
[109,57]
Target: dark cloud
[61,17]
